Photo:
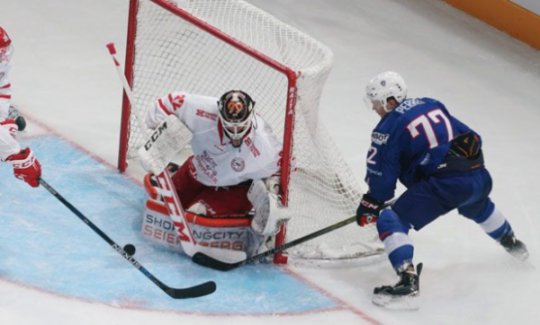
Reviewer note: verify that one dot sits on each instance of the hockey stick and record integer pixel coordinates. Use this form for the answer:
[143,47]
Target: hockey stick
[171,199]
[202,289]
[208,261]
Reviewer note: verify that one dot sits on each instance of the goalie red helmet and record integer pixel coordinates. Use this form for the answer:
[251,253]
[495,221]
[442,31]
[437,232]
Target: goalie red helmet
[236,114]
[5,41]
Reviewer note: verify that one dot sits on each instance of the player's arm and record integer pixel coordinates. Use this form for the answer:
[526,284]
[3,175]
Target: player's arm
[5,92]
[25,166]
[382,173]
[170,104]
[8,144]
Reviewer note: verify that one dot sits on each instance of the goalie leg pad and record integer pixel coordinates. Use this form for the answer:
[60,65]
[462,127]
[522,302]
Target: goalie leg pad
[269,215]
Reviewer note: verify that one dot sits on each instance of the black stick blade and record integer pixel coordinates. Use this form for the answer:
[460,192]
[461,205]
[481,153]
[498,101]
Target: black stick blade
[200,290]
[205,260]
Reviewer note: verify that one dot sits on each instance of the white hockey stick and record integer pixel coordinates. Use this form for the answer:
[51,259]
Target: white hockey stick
[158,168]
[158,151]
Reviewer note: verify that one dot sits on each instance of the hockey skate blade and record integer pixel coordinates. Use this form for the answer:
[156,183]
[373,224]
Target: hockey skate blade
[397,302]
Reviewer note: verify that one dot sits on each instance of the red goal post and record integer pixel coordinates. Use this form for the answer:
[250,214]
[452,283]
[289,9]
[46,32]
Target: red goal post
[209,47]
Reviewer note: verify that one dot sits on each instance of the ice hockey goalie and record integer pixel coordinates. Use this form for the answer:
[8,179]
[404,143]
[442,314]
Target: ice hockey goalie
[228,186]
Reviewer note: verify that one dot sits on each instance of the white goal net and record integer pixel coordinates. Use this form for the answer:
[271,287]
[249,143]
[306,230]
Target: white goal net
[211,46]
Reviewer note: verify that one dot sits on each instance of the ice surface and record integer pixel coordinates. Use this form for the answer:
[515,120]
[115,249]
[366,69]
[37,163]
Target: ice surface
[63,80]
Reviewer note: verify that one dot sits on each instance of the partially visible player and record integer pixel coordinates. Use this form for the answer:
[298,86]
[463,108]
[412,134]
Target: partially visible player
[25,166]
[439,160]
[235,161]
[7,110]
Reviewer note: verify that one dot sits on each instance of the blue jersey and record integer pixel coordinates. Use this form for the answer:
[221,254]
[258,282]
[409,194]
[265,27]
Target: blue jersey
[408,144]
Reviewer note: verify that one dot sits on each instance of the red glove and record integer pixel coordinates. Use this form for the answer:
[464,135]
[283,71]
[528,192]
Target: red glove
[26,167]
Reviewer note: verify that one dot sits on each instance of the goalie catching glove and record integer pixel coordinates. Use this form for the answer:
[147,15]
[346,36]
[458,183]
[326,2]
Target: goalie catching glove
[269,214]
[368,210]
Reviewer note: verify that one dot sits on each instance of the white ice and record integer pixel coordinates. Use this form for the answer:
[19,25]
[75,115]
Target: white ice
[63,78]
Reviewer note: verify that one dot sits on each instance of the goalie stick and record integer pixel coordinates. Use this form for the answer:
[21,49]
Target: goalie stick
[211,262]
[202,289]
[158,165]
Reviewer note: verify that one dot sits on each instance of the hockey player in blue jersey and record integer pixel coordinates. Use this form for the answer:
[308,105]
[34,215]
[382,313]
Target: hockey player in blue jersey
[439,160]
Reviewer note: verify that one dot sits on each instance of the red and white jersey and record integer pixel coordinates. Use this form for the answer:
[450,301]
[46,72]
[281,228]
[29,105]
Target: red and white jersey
[216,161]
[8,144]
[6,51]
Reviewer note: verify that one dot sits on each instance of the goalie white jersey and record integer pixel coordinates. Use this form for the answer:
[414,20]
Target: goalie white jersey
[216,161]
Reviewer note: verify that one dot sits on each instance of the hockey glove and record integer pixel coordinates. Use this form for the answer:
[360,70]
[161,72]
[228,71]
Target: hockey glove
[466,145]
[368,210]
[26,167]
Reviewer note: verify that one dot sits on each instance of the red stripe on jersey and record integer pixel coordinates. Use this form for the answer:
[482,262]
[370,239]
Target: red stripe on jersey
[5,86]
[5,96]
[163,107]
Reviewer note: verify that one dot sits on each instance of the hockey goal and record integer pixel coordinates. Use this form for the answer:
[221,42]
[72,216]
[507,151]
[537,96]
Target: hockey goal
[208,47]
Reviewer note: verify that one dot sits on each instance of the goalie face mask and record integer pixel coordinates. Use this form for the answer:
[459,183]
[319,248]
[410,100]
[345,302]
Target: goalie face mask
[236,115]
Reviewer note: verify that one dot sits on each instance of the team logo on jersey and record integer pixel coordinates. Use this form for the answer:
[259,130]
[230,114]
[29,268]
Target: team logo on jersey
[207,165]
[238,164]
[177,101]
[379,138]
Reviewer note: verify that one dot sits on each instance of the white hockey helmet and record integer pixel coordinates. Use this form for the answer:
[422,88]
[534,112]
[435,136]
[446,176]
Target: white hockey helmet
[236,114]
[386,85]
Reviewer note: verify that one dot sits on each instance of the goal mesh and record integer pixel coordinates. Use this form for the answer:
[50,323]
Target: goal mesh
[238,46]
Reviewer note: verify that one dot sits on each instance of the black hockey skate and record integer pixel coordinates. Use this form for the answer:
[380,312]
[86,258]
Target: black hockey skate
[515,247]
[403,295]
[14,114]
